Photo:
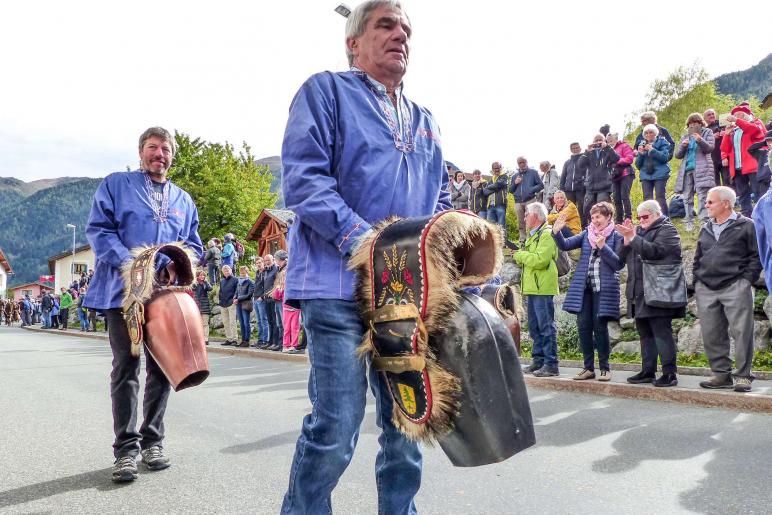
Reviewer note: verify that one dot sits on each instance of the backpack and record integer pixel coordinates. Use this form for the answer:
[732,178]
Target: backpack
[676,207]
[562,261]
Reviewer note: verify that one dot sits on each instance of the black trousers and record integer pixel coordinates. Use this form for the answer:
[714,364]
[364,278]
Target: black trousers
[658,186]
[64,316]
[622,207]
[270,312]
[657,340]
[124,392]
[722,176]
[577,197]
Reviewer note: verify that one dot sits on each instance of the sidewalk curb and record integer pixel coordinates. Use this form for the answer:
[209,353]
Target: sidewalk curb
[705,398]
[636,367]
[213,346]
[758,403]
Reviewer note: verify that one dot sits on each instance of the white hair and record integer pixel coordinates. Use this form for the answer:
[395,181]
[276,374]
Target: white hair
[228,267]
[652,206]
[356,23]
[724,193]
[651,127]
[538,209]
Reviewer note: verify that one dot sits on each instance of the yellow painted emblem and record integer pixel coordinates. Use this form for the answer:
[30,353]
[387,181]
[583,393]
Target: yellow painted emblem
[407,394]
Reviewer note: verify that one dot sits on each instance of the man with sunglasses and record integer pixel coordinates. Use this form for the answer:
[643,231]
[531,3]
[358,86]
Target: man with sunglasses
[356,151]
[726,265]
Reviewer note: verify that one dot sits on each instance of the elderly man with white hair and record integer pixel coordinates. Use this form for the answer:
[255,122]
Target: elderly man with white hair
[539,281]
[654,243]
[356,151]
[726,265]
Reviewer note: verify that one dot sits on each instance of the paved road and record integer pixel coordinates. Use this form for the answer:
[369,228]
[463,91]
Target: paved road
[231,441]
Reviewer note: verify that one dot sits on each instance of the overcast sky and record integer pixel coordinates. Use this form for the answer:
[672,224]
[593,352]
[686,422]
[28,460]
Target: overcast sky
[82,79]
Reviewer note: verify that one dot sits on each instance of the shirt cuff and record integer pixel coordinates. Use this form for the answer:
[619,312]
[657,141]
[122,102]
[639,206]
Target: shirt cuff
[351,238]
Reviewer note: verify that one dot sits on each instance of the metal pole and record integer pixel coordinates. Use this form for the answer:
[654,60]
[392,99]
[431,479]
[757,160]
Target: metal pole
[73,253]
[72,265]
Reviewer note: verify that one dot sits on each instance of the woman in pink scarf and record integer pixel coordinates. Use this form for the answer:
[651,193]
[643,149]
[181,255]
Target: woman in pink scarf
[594,291]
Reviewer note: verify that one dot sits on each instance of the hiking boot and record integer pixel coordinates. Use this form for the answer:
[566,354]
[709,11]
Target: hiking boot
[124,469]
[530,369]
[584,375]
[641,377]
[547,371]
[242,344]
[154,458]
[715,383]
[666,380]
[226,342]
[742,384]
[605,375]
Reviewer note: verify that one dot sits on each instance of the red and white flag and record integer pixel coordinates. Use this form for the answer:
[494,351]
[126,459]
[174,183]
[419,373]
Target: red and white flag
[46,278]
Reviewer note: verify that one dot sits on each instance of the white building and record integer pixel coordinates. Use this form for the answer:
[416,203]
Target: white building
[5,271]
[60,266]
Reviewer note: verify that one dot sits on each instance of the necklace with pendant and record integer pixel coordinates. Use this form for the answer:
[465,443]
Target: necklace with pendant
[160,208]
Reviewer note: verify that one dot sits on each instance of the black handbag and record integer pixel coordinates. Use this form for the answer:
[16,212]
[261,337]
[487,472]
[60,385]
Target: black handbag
[664,284]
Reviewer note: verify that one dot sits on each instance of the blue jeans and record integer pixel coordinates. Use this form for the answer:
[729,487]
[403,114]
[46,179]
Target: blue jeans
[46,319]
[337,388]
[541,327]
[261,321]
[483,214]
[83,319]
[498,215]
[243,318]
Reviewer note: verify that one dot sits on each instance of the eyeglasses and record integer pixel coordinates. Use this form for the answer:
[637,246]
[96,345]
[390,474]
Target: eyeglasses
[643,217]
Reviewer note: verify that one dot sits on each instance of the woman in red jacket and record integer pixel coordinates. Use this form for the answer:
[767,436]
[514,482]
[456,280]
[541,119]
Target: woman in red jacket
[745,130]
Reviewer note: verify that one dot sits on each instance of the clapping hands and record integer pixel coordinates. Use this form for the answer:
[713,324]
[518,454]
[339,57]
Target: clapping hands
[627,230]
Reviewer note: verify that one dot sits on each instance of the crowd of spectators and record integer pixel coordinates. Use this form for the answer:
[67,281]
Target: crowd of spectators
[588,209]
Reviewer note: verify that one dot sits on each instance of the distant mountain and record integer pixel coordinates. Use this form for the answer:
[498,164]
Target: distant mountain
[32,227]
[756,81]
[274,165]
[25,189]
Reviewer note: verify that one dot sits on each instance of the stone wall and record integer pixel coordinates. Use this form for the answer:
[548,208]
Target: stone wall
[686,331]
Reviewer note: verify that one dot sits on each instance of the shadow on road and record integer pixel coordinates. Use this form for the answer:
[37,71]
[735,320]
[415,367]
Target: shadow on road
[99,479]
[368,427]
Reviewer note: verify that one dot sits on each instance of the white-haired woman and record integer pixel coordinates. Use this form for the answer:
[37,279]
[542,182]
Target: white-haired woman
[653,167]
[654,241]
[696,173]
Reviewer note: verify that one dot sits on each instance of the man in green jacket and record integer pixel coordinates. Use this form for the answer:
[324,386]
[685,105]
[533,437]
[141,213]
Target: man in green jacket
[539,278]
[64,308]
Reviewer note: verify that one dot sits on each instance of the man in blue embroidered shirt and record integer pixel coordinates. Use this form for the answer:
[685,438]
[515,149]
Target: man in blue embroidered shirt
[356,151]
[130,210]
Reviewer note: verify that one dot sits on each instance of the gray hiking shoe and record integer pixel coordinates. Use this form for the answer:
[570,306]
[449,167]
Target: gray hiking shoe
[124,469]
[154,458]
[547,371]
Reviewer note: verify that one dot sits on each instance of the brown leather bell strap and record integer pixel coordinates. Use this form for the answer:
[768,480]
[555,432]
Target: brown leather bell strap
[140,287]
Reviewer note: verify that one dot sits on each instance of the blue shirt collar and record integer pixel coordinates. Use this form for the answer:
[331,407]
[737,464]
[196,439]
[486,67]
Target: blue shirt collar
[380,87]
